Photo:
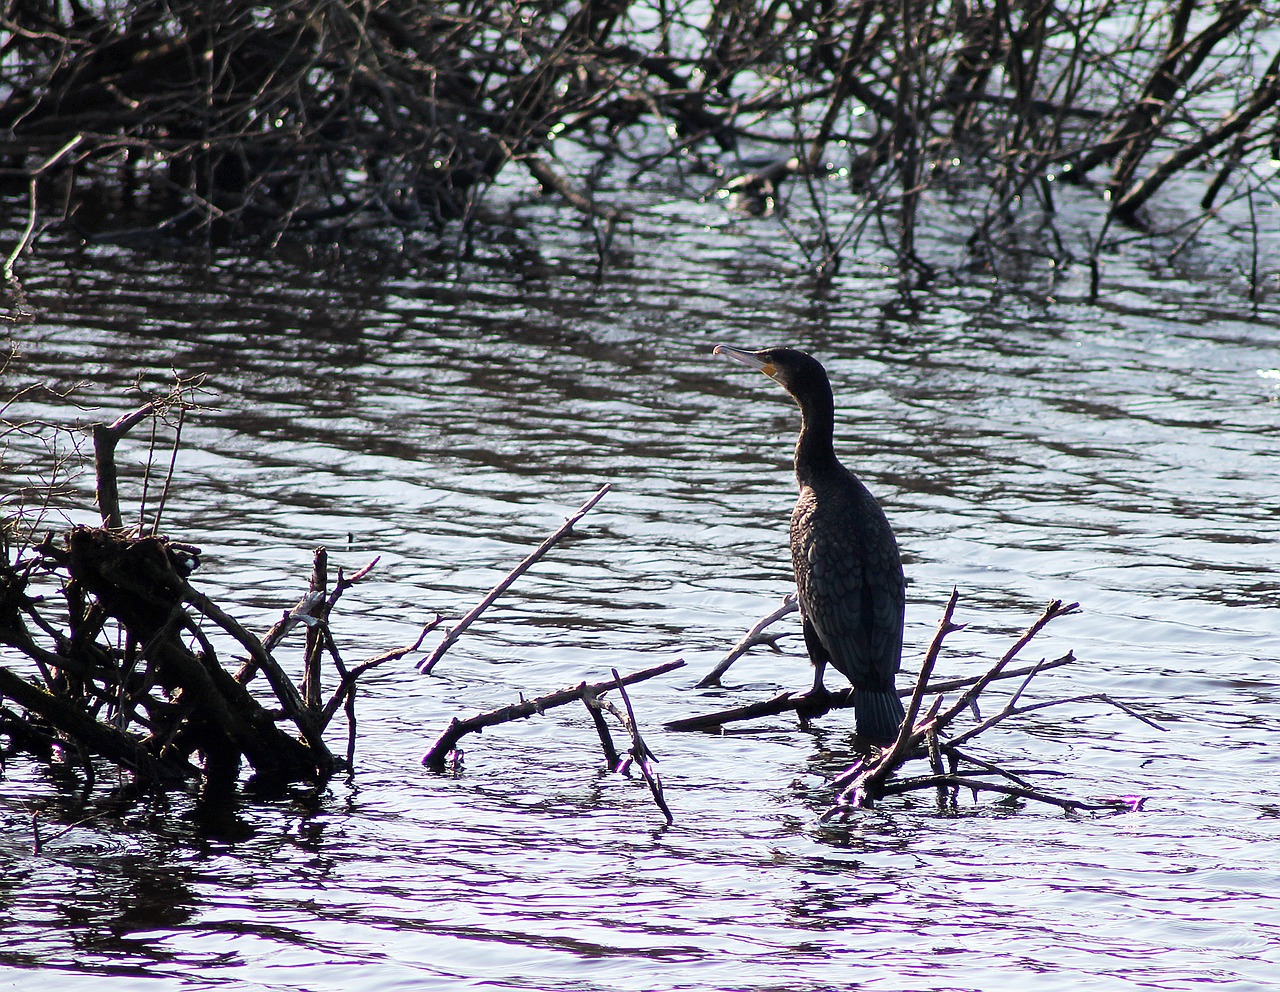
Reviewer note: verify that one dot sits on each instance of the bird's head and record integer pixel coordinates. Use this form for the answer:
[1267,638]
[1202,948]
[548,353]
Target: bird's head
[795,371]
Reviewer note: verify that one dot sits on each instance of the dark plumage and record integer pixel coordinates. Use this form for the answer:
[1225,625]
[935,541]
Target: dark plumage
[848,571]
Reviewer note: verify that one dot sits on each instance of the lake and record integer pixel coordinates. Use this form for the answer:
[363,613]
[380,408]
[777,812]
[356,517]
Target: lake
[444,416]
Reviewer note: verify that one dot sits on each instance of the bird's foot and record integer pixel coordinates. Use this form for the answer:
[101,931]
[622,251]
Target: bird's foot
[817,701]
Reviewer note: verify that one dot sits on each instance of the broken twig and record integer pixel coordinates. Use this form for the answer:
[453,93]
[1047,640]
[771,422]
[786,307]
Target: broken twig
[750,639]
[641,754]
[452,636]
[868,778]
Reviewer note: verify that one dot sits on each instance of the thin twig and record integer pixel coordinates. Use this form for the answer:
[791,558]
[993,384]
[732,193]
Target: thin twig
[1011,710]
[642,753]
[349,676]
[30,227]
[452,636]
[168,479]
[749,640]
[950,685]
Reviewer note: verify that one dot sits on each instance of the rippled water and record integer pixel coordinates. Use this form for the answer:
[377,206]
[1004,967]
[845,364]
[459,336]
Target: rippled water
[1026,446]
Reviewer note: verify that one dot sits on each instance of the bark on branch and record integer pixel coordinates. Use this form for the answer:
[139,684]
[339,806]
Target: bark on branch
[437,757]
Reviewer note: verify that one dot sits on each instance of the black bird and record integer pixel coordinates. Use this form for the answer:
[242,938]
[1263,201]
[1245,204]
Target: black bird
[848,570]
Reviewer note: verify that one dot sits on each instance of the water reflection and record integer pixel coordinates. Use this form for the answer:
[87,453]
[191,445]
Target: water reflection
[94,898]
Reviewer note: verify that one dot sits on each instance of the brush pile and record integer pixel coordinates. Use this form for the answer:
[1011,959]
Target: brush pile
[245,118]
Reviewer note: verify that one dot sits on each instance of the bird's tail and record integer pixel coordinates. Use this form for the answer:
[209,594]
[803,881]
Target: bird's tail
[878,714]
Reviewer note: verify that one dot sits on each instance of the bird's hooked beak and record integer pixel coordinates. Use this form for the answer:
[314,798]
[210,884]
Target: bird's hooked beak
[751,359]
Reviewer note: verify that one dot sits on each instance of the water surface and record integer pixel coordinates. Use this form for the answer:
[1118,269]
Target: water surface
[1026,445]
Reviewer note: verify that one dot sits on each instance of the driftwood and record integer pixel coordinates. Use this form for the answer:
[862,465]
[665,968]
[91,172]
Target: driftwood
[126,670]
[437,757]
[927,730]
[445,752]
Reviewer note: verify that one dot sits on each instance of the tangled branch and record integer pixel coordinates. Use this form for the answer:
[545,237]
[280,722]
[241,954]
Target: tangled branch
[290,115]
[928,730]
[122,658]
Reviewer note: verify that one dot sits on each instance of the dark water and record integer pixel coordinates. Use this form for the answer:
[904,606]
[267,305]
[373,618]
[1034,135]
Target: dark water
[1026,445]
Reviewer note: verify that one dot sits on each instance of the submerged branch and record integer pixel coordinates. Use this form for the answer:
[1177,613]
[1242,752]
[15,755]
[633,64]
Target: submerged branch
[807,705]
[436,757]
[903,786]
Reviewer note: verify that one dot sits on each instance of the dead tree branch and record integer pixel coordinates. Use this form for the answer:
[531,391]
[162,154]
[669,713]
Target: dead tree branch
[1236,123]
[132,673]
[451,637]
[927,731]
[436,757]
[280,116]
[809,707]
[749,640]
[930,737]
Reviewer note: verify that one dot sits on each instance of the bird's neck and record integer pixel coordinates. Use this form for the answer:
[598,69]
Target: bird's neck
[815,451]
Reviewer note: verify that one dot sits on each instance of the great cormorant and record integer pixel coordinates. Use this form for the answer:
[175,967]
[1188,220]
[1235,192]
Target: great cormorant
[848,570]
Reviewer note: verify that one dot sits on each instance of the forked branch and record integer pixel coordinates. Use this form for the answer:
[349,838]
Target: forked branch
[436,758]
[930,736]
[928,731]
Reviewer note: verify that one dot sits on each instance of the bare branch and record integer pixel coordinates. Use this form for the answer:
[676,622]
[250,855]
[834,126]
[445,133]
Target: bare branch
[641,753]
[921,733]
[457,729]
[749,640]
[349,676]
[452,636]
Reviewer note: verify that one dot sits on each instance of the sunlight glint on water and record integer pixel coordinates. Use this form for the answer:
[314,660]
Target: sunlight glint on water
[1121,456]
